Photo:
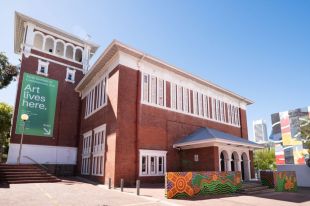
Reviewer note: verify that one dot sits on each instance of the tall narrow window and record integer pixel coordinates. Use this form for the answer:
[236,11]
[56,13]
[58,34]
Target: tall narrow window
[160,165]
[161,92]
[214,109]
[195,103]
[200,109]
[179,98]
[173,96]
[99,150]
[86,152]
[145,86]
[153,90]
[206,107]
[185,100]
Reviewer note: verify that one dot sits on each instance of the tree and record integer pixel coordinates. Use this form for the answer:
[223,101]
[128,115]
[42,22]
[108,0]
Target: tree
[265,159]
[6,112]
[8,72]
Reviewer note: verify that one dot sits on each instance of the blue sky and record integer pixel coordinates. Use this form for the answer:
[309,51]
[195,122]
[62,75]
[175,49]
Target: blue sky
[258,49]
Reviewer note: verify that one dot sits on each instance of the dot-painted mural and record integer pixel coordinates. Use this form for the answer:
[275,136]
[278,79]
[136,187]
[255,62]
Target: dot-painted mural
[190,184]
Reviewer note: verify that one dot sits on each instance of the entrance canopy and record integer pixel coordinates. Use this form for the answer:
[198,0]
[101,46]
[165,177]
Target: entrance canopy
[205,137]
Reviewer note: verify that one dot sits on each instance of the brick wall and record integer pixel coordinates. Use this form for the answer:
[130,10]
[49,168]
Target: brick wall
[66,124]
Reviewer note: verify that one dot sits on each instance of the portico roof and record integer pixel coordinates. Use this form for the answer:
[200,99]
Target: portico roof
[204,137]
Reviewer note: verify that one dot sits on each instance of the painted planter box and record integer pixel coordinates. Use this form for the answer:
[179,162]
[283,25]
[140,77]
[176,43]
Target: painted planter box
[191,184]
[266,178]
[285,181]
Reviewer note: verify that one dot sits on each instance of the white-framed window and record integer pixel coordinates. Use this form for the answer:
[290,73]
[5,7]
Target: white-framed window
[70,75]
[185,100]
[195,103]
[173,96]
[42,67]
[99,150]
[179,98]
[200,109]
[145,87]
[161,92]
[96,97]
[152,162]
[86,152]
[153,90]
[206,107]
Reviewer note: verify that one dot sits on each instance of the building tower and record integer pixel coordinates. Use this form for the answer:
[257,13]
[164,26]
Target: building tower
[52,63]
[260,131]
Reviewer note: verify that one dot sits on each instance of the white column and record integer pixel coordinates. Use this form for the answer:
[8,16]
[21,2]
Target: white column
[228,165]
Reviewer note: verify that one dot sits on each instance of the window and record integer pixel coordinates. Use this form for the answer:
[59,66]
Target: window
[173,96]
[161,92]
[99,150]
[200,109]
[206,108]
[152,162]
[145,86]
[96,97]
[43,67]
[70,75]
[153,90]
[196,158]
[86,152]
[195,102]
[179,97]
[185,100]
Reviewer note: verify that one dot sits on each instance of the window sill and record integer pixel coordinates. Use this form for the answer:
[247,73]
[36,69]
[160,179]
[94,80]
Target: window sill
[151,175]
[71,81]
[43,74]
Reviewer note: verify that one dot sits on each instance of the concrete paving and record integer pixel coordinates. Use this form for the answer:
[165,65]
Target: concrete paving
[78,193]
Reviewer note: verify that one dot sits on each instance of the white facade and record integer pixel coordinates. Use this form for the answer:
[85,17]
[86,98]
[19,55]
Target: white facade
[42,154]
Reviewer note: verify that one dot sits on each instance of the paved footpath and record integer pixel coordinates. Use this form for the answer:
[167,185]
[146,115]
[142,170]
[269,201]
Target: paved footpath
[77,193]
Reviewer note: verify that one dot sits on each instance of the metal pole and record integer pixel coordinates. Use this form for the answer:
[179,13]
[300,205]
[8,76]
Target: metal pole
[110,182]
[122,185]
[138,187]
[21,143]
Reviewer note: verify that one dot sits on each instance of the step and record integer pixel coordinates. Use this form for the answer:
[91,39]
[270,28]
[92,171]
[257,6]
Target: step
[23,172]
[255,188]
[20,170]
[250,186]
[30,178]
[258,192]
[26,175]
[32,181]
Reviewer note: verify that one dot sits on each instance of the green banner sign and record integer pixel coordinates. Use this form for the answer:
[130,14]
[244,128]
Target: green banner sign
[38,100]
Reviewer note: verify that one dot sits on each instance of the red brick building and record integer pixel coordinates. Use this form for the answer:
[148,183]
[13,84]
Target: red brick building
[133,116]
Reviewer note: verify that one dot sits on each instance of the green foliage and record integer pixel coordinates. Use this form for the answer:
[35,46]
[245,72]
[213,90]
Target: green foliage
[264,159]
[7,71]
[6,112]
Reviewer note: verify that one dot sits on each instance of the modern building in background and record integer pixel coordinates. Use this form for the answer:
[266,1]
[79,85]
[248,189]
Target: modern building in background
[129,116]
[260,131]
[291,152]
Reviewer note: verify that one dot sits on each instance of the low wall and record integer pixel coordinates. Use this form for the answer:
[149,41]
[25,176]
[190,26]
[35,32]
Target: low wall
[285,181]
[191,184]
[266,178]
[302,173]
